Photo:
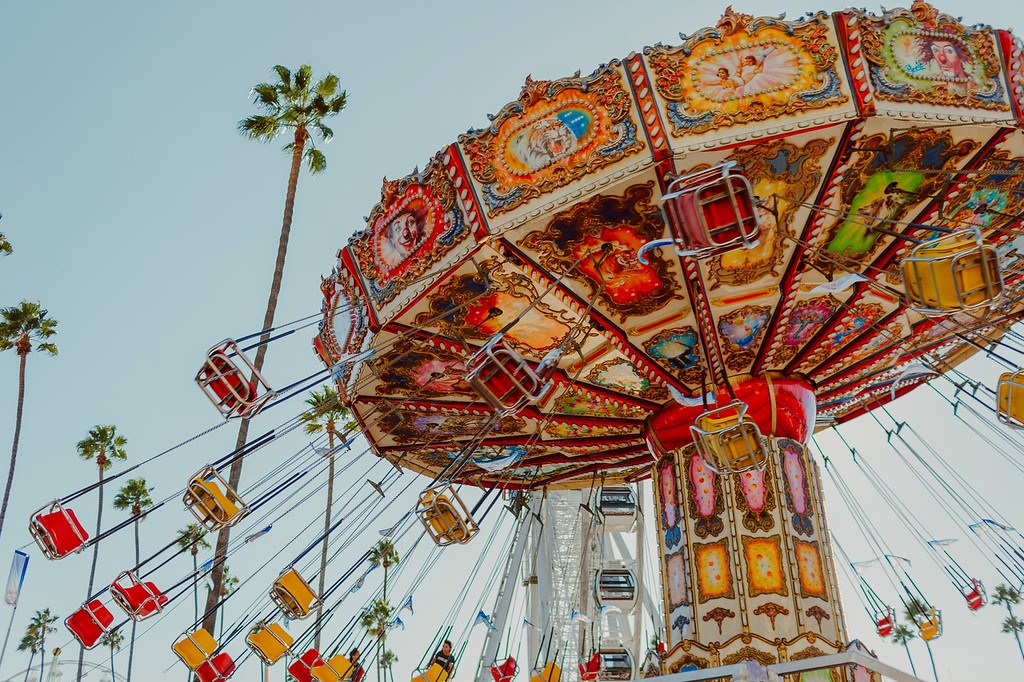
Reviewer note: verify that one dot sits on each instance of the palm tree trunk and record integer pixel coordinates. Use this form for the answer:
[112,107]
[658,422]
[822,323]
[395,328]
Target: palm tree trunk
[42,652]
[100,461]
[17,434]
[235,473]
[935,673]
[29,668]
[131,645]
[327,526]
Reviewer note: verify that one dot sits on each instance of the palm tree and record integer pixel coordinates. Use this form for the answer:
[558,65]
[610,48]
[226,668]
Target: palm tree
[324,413]
[103,445]
[376,619]
[912,608]
[193,538]
[293,104]
[1009,597]
[384,554]
[113,639]
[35,637]
[134,495]
[20,326]
[5,245]
[901,634]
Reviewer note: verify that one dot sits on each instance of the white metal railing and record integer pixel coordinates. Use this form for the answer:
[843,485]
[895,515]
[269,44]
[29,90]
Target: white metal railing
[752,671]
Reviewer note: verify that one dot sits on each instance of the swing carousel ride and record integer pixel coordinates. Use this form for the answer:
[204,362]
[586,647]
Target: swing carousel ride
[679,268]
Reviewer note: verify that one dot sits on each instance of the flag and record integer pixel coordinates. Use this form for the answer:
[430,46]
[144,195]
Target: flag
[839,284]
[527,623]
[577,617]
[942,543]
[864,564]
[257,535]
[911,371]
[16,578]
[610,608]
[407,605]
[206,567]
[482,617]
[497,464]
[987,524]
[892,557]
[695,401]
[361,580]
[397,623]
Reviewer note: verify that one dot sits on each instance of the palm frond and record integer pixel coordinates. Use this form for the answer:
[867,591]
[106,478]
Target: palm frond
[303,77]
[327,86]
[50,348]
[284,74]
[266,94]
[315,160]
[258,127]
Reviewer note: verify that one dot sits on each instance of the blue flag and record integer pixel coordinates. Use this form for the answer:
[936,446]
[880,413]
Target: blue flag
[19,566]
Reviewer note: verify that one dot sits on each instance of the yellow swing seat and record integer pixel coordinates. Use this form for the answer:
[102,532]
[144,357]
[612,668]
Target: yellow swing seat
[195,648]
[293,595]
[445,516]
[549,673]
[269,642]
[333,670]
[930,625]
[434,673]
[1010,399]
[212,501]
[728,440]
[953,272]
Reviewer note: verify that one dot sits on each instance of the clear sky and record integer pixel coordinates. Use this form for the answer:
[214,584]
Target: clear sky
[147,226]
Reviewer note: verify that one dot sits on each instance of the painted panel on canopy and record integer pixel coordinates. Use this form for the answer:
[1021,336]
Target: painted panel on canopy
[556,133]
[803,321]
[595,244]
[404,425]
[785,174]
[797,487]
[922,56]
[477,304]
[877,191]
[809,568]
[748,70]
[704,496]
[755,498]
[416,227]
[714,575]
[992,197]
[420,370]
[344,325]
[578,401]
[740,332]
[678,350]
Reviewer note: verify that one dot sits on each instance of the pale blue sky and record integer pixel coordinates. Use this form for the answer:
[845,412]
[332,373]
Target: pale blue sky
[148,226]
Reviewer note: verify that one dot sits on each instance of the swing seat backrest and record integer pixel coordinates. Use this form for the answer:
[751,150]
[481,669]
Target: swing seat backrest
[506,671]
[590,669]
[217,669]
[57,531]
[89,623]
[549,673]
[139,600]
[712,210]
[293,595]
[227,382]
[214,506]
[334,670]
[195,648]
[269,642]
[435,673]
[301,668]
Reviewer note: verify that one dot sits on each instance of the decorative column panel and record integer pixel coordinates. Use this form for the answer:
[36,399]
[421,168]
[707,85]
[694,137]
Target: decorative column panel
[745,560]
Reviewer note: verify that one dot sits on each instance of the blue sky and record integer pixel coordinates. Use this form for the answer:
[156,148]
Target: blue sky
[148,226]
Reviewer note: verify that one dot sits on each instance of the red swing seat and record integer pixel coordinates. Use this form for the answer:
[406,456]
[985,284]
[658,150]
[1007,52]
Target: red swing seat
[217,669]
[711,211]
[57,531]
[885,622]
[138,599]
[302,668]
[503,378]
[590,669]
[226,385]
[89,623]
[506,671]
[975,595]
